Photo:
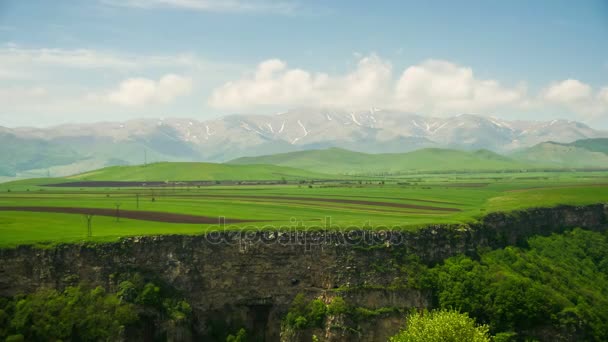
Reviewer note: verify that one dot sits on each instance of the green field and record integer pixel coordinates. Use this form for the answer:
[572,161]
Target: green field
[189,171]
[294,200]
[340,161]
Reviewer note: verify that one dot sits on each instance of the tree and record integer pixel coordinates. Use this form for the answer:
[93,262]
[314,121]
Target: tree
[441,325]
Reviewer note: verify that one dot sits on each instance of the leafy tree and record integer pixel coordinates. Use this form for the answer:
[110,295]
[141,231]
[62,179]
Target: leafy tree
[441,326]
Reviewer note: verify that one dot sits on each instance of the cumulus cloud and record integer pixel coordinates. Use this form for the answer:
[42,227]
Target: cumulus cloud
[568,91]
[577,97]
[273,83]
[143,91]
[433,87]
[437,87]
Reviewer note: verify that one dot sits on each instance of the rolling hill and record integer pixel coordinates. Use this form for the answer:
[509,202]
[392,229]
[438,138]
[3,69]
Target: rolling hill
[340,161]
[190,171]
[586,153]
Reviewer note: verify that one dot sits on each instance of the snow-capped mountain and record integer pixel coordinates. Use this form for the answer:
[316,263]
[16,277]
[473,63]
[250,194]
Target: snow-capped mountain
[95,145]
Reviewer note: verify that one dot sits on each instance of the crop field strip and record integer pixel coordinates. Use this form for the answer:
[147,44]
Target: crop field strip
[193,200]
[185,209]
[156,216]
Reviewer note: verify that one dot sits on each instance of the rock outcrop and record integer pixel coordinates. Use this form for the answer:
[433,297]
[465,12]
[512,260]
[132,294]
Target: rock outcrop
[250,279]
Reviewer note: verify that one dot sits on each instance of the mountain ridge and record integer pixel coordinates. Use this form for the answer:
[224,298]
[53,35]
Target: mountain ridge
[96,145]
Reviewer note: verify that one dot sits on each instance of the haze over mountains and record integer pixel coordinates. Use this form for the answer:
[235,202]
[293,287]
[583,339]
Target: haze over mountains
[69,149]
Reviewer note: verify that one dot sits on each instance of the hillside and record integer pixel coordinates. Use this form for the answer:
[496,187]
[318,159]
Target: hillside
[340,161]
[75,148]
[18,154]
[189,171]
[586,153]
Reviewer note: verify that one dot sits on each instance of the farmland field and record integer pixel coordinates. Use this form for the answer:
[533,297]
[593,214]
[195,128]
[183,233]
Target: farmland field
[32,211]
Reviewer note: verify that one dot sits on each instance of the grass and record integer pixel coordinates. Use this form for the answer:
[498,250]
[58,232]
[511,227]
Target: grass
[340,161]
[286,205]
[190,171]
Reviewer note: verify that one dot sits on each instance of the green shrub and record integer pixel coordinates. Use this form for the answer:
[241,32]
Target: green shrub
[337,306]
[304,314]
[241,336]
[441,326]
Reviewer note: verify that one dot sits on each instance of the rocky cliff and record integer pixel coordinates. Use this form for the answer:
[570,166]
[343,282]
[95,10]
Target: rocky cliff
[235,279]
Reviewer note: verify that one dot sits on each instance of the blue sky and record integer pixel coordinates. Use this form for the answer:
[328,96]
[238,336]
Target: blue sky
[66,61]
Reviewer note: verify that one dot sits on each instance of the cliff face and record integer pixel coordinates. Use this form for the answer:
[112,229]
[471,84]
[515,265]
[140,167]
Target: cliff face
[250,279]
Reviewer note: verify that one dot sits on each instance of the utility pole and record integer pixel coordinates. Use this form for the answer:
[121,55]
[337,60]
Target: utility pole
[117,211]
[89,218]
[145,157]
[137,200]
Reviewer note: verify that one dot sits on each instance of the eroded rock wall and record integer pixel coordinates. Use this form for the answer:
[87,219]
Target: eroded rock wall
[251,280]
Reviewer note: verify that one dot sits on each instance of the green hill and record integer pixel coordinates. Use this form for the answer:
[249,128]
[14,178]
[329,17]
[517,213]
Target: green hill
[18,154]
[190,171]
[593,145]
[587,153]
[339,161]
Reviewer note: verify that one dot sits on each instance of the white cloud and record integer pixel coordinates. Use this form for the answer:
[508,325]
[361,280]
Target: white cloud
[440,87]
[143,91]
[14,58]
[273,83]
[576,97]
[14,95]
[603,95]
[568,91]
[433,87]
[271,6]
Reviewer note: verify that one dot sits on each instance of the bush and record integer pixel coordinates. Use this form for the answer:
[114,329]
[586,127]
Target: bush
[51,315]
[303,314]
[241,336]
[337,306]
[441,326]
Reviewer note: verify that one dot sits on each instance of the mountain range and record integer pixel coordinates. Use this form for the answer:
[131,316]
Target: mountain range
[73,148]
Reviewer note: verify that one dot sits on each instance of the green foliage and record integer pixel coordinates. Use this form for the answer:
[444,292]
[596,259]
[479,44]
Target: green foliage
[15,338]
[127,291]
[136,290]
[316,312]
[241,336]
[505,337]
[304,314]
[150,295]
[337,306]
[74,313]
[441,326]
[560,281]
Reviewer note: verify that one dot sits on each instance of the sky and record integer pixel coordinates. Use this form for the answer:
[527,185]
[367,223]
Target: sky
[114,60]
